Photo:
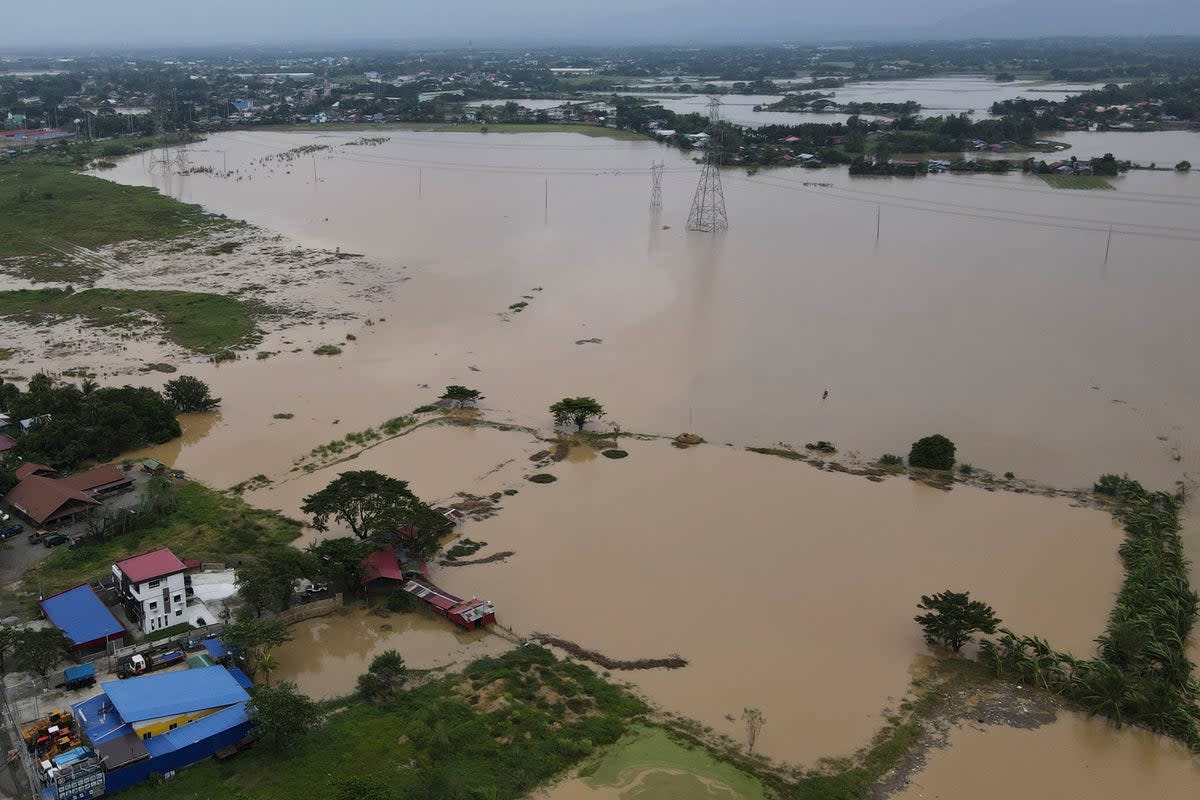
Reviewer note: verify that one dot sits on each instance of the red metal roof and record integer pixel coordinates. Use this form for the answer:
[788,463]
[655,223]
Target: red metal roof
[7,443]
[98,478]
[30,468]
[381,564]
[148,566]
[44,499]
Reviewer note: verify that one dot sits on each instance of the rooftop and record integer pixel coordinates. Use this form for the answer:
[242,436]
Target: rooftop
[149,566]
[81,615]
[168,693]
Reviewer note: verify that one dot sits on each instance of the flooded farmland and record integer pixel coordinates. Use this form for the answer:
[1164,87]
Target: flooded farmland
[787,589]
[1071,757]
[985,311]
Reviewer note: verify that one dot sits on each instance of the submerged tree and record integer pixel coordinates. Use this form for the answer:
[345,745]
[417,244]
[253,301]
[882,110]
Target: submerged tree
[932,452]
[187,394]
[384,678]
[755,720]
[462,394]
[365,500]
[952,617]
[576,410]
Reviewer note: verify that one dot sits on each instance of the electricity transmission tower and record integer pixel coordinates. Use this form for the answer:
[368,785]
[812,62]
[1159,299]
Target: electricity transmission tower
[708,206]
[656,173]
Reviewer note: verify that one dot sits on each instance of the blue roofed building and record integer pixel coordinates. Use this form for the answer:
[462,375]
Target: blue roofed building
[83,617]
[163,722]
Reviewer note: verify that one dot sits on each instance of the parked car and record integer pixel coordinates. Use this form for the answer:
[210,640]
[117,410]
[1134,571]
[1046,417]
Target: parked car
[317,587]
[55,539]
[12,530]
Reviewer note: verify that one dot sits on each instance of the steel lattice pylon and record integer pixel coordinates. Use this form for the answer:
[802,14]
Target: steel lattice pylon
[708,206]
[656,173]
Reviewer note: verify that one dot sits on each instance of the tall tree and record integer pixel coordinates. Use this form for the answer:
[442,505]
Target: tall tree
[462,394]
[282,715]
[40,650]
[384,678]
[576,410]
[254,638]
[339,560]
[420,529]
[952,617]
[270,580]
[365,500]
[188,394]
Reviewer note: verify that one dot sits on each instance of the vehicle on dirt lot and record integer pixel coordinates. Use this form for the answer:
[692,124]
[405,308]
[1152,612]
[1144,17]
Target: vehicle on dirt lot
[55,539]
[11,530]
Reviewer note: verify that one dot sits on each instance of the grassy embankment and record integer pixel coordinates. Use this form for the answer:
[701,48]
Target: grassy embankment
[199,321]
[205,524]
[1076,181]
[498,730]
[48,212]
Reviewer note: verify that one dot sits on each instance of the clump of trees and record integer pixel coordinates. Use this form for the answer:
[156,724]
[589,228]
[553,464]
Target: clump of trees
[952,618]
[462,394]
[188,395]
[269,582]
[253,639]
[339,560]
[1183,166]
[385,677]
[282,715]
[932,452]
[85,422]
[376,506]
[33,650]
[577,411]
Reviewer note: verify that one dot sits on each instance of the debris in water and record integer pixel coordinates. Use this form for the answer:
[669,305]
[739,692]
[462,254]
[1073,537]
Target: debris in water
[671,662]
[589,341]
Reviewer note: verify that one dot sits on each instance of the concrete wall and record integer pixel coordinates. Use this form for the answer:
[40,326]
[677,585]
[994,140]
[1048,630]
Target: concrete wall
[317,608]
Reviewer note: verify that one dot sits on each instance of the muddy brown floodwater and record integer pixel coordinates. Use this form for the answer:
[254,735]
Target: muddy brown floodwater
[327,654]
[1071,757]
[986,311]
[786,588]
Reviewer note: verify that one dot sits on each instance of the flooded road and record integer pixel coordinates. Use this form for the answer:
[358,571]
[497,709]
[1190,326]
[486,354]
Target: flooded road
[1071,757]
[985,311]
[327,654]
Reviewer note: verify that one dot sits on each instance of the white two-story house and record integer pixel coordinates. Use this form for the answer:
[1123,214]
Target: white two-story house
[154,589]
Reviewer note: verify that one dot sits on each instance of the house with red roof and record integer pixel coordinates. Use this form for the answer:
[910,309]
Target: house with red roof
[47,501]
[154,589]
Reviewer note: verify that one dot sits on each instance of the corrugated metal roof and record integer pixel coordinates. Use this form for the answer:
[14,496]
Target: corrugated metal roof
[167,693]
[151,565]
[81,615]
[381,564]
[197,731]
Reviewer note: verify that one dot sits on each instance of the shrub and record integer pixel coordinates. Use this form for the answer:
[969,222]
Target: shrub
[614,453]
[328,350]
[821,446]
[1009,476]
[542,477]
[424,409]
[1183,166]
[402,602]
[966,469]
[891,460]
[932,452]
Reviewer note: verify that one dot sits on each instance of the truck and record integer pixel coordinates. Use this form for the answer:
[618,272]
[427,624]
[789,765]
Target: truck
[140,665]
[79,676]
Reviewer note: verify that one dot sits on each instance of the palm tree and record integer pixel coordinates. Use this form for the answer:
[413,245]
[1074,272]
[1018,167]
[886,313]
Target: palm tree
[267,664]
[1103,689]
[88,387]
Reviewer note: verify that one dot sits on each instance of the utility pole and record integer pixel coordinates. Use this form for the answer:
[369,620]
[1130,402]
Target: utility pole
[420,181]
[547,219]
[1107,245]
[656,173]
[878,214]
[708,206]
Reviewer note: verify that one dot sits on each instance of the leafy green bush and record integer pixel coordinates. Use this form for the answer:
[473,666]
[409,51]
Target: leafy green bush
[891,460]
[932,452]
[1120,487]
[821,446]
[328,350]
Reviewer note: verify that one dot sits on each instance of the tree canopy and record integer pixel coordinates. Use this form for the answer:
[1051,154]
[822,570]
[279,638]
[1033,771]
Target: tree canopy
[384,678]
[282,715]
[254,638]
[576,410]
[462,394]
[952,617]
[95,426]
[932,452]
[269,581]
[40,650]
[371,504]
[339,560]
[187,394]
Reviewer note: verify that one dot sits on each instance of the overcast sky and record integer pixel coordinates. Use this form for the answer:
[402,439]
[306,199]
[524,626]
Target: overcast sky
[141,23]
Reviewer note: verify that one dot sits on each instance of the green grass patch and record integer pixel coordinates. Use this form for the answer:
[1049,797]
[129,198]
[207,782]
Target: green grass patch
[6,353]
[781,452]
[167,633]
[199,321]
[46,209]
[205,524]
[1076,181]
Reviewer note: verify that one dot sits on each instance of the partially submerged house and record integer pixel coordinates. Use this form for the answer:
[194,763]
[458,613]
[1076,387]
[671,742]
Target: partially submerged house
[82,617]
[468,614]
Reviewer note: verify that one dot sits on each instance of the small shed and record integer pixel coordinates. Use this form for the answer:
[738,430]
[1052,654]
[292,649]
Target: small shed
[381,566]
[83,617]
[154,466]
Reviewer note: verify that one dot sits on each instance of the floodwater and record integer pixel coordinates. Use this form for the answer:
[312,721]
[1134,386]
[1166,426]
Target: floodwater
[986,311]
[327,654]
[1071,757]
[787,589]
[1163,148]
[956,94]
[739,109]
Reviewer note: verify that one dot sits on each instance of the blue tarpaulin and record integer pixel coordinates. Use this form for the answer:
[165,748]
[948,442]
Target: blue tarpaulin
[216,648]
[81,615]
